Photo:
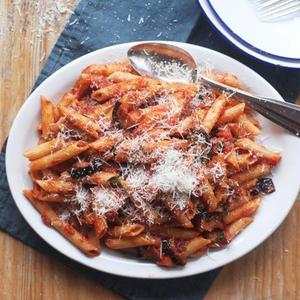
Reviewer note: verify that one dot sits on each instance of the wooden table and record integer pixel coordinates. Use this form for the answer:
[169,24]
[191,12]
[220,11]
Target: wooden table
[272,271]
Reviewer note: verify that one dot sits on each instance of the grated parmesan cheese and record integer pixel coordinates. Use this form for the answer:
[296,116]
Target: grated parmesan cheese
[107,200]
[170,71]
[81,200]
[173,175]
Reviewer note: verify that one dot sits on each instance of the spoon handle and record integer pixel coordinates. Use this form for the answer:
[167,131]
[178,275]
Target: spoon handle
[285,114]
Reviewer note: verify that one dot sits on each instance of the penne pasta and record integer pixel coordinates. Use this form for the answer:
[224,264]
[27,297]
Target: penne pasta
[245,122]
[48,197]
[122,76]
[59,156]
[127,230]
[259,170]
[209,196]
[174,232]
[101,178]
[55,186]
[214,113]
[261,151]
[100,227]
[235,228]
[43,149]
[106,69]
[245,210]
[129,242]
[66,100]
[48,117]
[120,88]
[194,245]
[232,113]
[84,123]
[105,143]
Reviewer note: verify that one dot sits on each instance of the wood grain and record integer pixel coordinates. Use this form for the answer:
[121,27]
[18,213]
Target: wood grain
[272,271]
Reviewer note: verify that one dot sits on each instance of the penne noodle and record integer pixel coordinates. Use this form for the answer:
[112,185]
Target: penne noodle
[66,100]
[210,225]
[101,178]
[166,261]
[120,88]
[84,123]
[259,170]
[105,143]
[44,149]
[246,160]
[214,113]
[232,159]
[51,218]
[238,203]
[250,184]
[245,122]
[59,156]
[192,122]
[194,245]
[245,210]
[235,228]
[122,76]
[179,215]
[48,117]
[261,151]
[100,226]
[232,113]
[103,110]
[56,186]
[129,242]
[148,210]
[127,230]
[52,197]
[209,196]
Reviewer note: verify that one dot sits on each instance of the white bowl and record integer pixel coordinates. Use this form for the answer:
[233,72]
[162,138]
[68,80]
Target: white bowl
[272,212]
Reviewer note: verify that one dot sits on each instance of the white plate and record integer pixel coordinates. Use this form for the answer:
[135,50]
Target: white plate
[273,210]
[232,25]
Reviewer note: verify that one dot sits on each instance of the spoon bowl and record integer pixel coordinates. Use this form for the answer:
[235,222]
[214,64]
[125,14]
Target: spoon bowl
[163,61]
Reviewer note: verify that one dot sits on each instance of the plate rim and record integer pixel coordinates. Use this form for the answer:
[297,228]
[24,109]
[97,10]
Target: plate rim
[238,42]
[247,44]
[120,271]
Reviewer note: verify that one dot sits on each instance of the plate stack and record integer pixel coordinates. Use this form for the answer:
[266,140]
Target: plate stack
[276,41]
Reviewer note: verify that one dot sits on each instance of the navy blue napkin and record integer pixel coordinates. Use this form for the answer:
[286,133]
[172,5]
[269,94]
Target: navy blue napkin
[96,24]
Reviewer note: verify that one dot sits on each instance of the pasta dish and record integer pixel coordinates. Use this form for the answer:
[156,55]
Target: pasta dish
[163,170]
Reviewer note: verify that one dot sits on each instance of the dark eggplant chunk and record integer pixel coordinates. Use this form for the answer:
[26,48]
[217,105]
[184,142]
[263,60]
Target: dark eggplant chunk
[94,166]
[264,185]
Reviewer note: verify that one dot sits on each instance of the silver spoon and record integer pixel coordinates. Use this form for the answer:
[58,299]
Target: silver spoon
[170,63]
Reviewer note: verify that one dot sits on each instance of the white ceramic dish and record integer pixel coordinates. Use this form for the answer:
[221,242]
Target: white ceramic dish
[272,212]
[252,39]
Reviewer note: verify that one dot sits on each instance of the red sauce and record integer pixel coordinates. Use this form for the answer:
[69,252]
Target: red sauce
[46,219]
[69,229]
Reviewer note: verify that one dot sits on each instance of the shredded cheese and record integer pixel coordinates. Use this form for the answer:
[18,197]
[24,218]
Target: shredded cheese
[106,200]
[173,175]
